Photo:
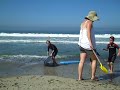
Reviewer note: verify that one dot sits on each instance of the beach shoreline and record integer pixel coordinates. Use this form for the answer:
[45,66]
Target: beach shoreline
[9,70]
[38,82]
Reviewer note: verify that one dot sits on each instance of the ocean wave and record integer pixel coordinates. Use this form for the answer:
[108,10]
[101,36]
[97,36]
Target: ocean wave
[54,35]
[33,41]
[20,58]
[43,41]
[28,58]
[36,35]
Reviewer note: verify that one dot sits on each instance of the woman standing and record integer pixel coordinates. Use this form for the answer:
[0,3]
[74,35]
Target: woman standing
[87,43]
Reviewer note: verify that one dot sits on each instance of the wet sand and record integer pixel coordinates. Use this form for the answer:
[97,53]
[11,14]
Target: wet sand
[63,77]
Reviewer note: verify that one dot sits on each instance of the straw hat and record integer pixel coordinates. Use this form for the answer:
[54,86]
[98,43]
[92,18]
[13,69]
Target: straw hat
[92,15]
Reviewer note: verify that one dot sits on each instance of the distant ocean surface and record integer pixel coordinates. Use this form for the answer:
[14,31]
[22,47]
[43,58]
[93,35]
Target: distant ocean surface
[31,48]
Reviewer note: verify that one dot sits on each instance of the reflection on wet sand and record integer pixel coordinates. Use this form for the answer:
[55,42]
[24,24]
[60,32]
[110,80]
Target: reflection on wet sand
[49,71]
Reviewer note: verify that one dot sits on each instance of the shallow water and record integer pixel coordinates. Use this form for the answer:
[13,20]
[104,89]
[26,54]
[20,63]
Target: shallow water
[69,71]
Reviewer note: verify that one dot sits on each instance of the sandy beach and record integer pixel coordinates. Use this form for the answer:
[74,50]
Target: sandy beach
[37,82]
[14,76]
[39,77]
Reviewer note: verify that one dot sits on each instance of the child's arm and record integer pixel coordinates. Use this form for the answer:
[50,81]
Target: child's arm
[105,49]
[118,52]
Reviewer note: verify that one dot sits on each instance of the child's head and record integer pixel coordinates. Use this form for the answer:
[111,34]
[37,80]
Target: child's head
[48,42]
[112,39]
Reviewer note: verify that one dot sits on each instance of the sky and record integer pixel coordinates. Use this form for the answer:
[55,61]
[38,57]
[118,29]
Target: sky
[44,15]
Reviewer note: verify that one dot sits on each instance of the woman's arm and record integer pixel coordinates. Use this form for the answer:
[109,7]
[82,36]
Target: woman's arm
[89,28]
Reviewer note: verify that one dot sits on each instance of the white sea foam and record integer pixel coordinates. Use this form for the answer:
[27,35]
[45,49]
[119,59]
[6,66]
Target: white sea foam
[54,35]
[57,38]
[33,41]
[27,58]
[38,41]
[37,35]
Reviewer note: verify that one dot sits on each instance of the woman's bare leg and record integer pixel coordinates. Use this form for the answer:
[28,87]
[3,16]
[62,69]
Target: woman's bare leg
[81,65]
[93,66]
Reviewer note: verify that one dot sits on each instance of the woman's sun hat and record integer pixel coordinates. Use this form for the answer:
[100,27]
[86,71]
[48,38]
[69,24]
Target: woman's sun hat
[92,15]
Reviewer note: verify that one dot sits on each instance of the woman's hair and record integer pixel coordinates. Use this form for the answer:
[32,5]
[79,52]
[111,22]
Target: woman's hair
[112,38]
[87,18]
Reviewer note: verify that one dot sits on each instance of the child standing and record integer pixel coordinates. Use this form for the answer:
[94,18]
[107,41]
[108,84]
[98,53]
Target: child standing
[111,47]
[53,53]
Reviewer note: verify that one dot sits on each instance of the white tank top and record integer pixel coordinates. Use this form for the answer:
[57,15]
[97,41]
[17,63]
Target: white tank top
[83,39]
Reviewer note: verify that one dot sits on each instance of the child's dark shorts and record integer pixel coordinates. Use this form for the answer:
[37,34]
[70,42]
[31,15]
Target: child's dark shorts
[54,53]
[111,58]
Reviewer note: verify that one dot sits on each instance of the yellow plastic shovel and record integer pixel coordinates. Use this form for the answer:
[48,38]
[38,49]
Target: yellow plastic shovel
[101,66]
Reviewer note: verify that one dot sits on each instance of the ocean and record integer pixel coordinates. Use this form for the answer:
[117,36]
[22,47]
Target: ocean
[18,50]
[33,45]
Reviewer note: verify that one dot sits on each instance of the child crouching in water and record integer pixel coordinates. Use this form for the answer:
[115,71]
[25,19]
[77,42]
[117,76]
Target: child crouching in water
[111,47]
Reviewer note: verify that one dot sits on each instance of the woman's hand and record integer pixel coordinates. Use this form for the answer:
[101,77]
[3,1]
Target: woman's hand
[91,47]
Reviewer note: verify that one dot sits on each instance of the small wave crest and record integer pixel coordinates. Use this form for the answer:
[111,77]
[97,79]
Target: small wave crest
[22,58]
[43,41]
[54,35]
[28,59]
